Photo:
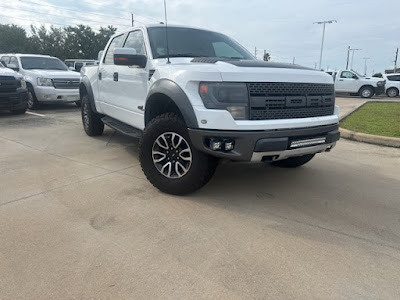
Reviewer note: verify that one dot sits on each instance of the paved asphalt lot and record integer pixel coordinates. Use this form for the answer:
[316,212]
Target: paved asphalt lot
[78,220]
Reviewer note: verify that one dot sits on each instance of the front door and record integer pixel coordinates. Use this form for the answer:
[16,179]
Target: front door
[347,82]
[132,84]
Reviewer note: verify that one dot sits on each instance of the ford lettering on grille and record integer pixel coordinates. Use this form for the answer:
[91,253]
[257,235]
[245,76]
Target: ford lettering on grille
[275,100]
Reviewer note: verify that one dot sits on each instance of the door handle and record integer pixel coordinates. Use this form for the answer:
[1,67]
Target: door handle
[115,76]
[340,79]
[99,75]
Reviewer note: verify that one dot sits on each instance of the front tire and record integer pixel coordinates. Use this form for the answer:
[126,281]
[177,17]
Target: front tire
[32,101]
[293,162]
[91,120]
[392,92]
[169,160]
[366,92]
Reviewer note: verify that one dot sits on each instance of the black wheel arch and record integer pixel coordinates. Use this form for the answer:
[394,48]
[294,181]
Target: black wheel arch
[85,88]
[166,96]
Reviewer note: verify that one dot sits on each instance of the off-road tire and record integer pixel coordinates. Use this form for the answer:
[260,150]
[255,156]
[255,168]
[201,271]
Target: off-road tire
[392,92]
[91,120]
[202,166]
[293,162]
[78,103]
[32,100]
[366,92]
[18,111]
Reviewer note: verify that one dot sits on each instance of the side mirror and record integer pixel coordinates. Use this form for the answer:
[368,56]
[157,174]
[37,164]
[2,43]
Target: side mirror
[13,67]
[71,68]
[128,57]
[100,55]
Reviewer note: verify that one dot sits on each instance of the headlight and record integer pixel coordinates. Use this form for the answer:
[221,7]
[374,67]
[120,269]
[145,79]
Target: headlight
[381,83]
[233,97]
[22,82]
[44,81]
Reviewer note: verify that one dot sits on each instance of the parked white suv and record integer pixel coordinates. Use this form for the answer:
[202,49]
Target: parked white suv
[48,78]
[212,99]
[392,84]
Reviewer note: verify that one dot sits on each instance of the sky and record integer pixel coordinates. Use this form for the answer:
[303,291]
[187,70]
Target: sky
[283,28]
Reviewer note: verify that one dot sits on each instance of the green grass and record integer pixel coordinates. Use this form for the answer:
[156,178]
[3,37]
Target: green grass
[375,118]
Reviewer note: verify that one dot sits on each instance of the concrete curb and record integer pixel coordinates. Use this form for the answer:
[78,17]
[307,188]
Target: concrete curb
[368,138]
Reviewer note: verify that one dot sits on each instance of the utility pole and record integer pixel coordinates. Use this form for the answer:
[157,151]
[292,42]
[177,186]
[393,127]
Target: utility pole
[323,37]
[132,19]
[365,65]
[348,56]
[255,52]
[395,60]
[352,56]
[315,65]
[294,59]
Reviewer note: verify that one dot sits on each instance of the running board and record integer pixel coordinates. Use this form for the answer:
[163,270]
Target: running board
[122,127]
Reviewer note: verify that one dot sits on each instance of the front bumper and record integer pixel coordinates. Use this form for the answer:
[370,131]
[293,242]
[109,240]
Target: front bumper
[266,145]
[14,100]
[51,94]
[379,90]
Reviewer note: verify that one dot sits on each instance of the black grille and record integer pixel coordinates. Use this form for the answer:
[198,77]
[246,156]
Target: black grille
[66,83]
[289,89]
[8,84]
[275,100]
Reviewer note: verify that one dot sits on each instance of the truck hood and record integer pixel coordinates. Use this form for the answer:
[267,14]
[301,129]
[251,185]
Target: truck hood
[9,72]
[53,73]
[242,71]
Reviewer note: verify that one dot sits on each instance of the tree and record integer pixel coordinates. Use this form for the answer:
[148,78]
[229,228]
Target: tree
[267,56]
[79,41]
[13,39]
[379,75]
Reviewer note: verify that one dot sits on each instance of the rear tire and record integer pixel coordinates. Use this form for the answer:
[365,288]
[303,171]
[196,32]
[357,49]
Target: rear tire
[91,120]
[293,162]
[169,160]
[392,92]
[32,100]
[366,92]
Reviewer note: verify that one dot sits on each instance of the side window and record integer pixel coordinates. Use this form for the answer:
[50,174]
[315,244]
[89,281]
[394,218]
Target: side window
[78,66]
[14,61]
[5,60]
[109,57]
[394,77]
[347,74]
[135,40]
[69,63]
[222,49]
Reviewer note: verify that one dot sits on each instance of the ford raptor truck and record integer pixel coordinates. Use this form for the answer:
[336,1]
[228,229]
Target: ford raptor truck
[198,96]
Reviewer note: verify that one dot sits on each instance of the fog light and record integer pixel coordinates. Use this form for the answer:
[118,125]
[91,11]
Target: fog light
[228,145]
[216,145]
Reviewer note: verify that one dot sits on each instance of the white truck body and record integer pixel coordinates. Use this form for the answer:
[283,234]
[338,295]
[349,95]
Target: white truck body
[45,83]
[350,82]
[281,102]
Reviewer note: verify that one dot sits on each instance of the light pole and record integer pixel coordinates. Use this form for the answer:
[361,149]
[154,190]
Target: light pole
[352,57]
[365,65]
[323,37]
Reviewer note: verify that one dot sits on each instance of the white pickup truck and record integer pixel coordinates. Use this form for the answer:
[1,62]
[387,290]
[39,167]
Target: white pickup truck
[48,78]
[202,98]
[350,82]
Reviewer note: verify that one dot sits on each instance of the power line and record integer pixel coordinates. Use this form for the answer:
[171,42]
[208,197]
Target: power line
[87,20]
[92,13]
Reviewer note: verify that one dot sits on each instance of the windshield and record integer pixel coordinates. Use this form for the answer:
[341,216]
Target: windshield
[43,63]
[358,74]
[188,42]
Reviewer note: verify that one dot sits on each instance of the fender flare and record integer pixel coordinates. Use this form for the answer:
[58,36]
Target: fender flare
[85,83]
[178,96]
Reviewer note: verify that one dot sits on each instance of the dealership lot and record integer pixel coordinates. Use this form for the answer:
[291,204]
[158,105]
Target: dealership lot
[78,220]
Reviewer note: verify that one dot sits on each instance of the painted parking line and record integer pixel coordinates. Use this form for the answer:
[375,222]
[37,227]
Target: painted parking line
[35,114]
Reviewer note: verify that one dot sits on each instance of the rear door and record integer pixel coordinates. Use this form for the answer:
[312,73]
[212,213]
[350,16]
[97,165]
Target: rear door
[347,82]
[107,90]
